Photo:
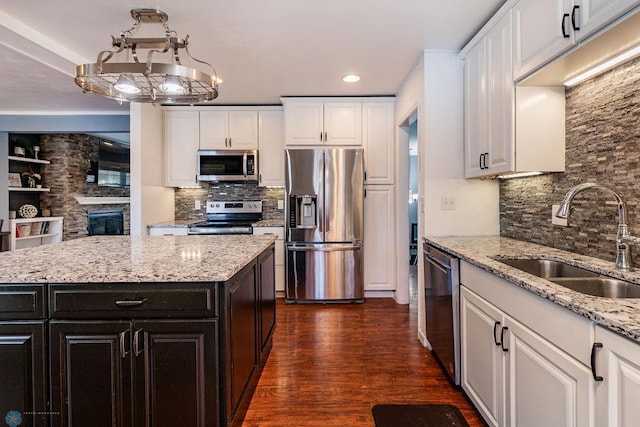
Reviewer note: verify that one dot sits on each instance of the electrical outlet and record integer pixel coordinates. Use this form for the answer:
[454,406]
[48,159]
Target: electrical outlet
[280,204]
[554,219]
[198,204]
[448,203]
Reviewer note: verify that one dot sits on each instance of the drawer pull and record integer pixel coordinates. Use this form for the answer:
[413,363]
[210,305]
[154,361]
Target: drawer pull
[123,344]
[596,377]
[504,329]
[130,302]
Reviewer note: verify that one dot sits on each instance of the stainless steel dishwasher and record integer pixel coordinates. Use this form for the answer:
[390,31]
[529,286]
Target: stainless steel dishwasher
[442,308]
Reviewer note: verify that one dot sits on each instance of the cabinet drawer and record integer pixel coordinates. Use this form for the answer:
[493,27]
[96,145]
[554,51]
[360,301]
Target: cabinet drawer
[19,302]
[131,301]
[276,231]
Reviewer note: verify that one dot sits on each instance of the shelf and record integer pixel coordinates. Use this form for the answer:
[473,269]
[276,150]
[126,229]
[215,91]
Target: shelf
[30,190]
[36,236]
[28,160]
[37,219]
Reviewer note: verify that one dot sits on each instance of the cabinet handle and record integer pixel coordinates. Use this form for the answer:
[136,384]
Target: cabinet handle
[576,8]
[484,161]
[325,137]
[504,329]
[565,34]
[260,178]
[130,302]
[226,142]
[137,348]
[495,329]
[595,346]
[480,161]
[123,346]
[229,142]
[320,136]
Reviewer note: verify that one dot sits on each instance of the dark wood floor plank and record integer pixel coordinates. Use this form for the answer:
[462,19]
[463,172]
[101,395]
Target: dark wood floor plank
[330,364]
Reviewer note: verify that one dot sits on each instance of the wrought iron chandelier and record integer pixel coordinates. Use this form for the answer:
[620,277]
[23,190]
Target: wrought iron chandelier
[151,82]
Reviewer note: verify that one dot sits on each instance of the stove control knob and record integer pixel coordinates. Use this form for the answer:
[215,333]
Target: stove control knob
[217,205]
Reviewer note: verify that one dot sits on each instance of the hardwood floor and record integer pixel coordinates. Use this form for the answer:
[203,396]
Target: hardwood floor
[331,363]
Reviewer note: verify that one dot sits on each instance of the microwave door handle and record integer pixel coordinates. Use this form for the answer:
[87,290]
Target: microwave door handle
[244,164]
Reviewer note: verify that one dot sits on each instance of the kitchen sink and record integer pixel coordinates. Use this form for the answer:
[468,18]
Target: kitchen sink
[606,287]
[575,278]
[546,268]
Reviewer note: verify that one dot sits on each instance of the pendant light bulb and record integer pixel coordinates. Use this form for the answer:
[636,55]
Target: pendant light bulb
[126,84]
[172,85]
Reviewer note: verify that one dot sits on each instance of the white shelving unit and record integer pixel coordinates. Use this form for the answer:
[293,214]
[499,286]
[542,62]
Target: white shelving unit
[35,237]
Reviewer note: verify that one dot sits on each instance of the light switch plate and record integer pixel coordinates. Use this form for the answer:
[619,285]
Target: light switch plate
[198,204]
[554,219]
[280,204]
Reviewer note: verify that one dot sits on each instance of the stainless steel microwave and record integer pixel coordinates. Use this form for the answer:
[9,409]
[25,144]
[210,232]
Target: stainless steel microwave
[227,165]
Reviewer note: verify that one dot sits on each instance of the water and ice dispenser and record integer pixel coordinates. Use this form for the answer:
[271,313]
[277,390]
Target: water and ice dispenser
[304,213]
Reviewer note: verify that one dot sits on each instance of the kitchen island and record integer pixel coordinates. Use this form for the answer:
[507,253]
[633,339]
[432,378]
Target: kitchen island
[128,331]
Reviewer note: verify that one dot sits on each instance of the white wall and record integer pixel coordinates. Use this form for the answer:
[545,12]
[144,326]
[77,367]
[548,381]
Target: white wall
[434,90]
[151,201]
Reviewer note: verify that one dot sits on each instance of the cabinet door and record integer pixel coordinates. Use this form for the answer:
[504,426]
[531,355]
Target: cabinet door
[90,374]
[243,130]
[267,297]
[618,362]
[475,110]
[343,123]
[378,131]
[23,386]
[538,32]
[501,98]
[214,130]
[546,386]
[241,337]
[482,359]
[379,237]
[304,123]
[271,148]
[176,373]
[181,138]
[595,14]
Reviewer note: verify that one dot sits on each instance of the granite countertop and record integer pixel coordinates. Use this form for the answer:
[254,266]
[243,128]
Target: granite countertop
[178,223]
[182,223]
[269,223]
[621,315]
[99,259]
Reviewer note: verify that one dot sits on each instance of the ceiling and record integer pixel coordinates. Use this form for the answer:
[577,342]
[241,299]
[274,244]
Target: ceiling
[261,49]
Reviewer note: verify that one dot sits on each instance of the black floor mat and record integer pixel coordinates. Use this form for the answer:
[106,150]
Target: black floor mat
[432,415]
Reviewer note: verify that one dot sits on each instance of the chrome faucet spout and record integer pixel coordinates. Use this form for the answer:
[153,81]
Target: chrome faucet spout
[623,238]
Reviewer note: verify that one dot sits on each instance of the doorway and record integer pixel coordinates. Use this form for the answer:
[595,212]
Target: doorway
[412,229]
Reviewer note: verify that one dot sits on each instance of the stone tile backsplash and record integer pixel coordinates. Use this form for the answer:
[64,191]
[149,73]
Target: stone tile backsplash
[186,197]
[602,146]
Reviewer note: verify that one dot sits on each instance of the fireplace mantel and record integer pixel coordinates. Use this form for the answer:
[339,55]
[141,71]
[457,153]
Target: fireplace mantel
[103,200]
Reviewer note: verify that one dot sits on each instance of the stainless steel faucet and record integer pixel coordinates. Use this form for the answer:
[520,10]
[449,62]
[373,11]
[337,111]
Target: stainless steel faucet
[623,238]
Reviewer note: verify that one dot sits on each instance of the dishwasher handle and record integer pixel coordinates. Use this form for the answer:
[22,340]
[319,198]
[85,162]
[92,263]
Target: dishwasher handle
[437,257]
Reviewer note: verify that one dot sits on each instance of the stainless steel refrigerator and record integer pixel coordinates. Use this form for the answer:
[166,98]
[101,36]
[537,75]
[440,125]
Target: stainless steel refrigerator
[324,225]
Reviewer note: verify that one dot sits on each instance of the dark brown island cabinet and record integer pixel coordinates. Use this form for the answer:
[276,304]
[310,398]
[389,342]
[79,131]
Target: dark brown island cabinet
[136,354]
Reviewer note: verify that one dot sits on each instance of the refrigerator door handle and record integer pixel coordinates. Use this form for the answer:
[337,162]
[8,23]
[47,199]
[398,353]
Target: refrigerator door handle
[325,249]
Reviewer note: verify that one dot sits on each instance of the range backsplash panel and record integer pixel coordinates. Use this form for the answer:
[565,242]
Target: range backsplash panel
[602,146]
[185,198]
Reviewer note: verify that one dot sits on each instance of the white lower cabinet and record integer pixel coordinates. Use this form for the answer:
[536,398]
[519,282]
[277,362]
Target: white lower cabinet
[279,233]
[515,375]
[617,394]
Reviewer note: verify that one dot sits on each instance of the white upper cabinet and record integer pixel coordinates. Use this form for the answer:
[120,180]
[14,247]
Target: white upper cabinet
[310,122]
[228,130]
[544,29]
[181,136]
[271,148]
[493,106]
[377,141]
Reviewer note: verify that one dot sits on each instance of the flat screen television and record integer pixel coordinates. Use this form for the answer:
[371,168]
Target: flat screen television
[113,164]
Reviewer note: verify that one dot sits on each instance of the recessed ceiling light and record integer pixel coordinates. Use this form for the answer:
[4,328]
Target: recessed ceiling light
[351,78]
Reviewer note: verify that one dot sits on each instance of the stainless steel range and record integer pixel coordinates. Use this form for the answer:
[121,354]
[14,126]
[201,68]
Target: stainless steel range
[229,217]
